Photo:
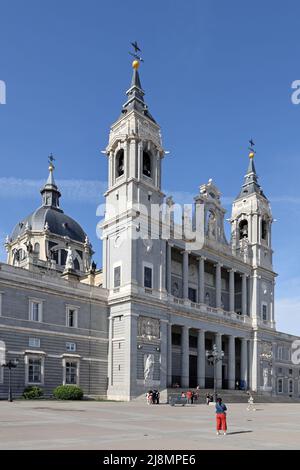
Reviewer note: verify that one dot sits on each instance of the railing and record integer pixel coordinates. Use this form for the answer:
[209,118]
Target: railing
[215,311]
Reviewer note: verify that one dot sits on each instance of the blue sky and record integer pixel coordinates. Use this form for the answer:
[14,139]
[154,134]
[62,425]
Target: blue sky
[215,74]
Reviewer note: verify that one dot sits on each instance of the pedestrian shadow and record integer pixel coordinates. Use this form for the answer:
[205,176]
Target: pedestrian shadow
[238,432]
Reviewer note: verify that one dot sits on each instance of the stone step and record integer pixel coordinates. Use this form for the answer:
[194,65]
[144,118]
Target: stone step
[228,396]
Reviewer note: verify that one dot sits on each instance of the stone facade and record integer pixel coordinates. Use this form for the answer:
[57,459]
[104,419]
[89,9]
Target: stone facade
[161,301]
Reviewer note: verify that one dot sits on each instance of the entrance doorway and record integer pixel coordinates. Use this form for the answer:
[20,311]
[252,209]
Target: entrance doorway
[193,371]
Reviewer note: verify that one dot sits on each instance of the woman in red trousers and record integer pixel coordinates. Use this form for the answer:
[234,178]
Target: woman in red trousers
[221,416]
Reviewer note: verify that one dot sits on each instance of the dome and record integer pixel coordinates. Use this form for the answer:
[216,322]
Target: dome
[58,224]
[50,215]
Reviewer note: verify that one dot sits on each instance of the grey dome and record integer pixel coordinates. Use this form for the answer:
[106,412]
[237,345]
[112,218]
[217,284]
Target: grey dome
[58,223]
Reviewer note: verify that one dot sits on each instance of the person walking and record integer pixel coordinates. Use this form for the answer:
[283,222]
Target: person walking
[221,420]
[189,396]
[250,406]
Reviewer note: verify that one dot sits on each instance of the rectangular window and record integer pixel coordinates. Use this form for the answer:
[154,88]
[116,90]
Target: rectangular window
[193,341]
[264,312]
[34,370]
[117,276]
[71,347]
[280,386]
[71,373]
[147,277]
[72,317]
[34,342]
[290,371]
[35,310]
[176,338]
[291,386]
[192,294]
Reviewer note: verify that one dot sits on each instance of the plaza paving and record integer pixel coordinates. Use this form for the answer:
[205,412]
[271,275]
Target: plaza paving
[134,425]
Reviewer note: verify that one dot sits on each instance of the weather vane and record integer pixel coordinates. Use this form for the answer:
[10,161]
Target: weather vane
[136,51]
[251,148]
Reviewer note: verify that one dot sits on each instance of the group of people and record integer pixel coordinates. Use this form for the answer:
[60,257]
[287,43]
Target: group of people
[191,396]
[152,397]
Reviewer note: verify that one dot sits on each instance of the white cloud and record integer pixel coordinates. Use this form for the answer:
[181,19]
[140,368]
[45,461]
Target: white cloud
[72,189]
[92,190]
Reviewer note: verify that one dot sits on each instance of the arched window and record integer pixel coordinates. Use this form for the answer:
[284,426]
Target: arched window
[280,386]
[76,264]
[264,229]
[291,386]
[63,257]
[120,163]
[147,164]
[37,248]
[243,229]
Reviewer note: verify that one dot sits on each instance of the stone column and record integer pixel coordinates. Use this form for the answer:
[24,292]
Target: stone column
[169,267]
[244,294]
[185,276]
[231,362]
[218,285]
[218,342]
[244,360]
[164,357]
[231,290]
[185,357]
[201,261]
[170,381]
[201,357]
[130,356]
[110,355]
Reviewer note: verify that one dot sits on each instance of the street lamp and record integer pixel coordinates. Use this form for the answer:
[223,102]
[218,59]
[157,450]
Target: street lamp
[214,356]
[10,365]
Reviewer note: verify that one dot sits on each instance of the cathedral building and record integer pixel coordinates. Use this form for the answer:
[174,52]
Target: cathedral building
[162,303]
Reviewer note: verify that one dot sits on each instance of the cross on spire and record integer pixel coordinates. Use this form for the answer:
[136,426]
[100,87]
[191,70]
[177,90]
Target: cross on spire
[136,50]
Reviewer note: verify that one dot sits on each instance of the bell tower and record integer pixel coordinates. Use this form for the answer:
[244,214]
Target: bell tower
[251,226]
[134,155]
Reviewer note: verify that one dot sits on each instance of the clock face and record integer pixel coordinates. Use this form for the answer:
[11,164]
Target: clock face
[118,241]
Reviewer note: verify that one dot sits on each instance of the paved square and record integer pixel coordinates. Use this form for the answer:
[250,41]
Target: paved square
[134,425]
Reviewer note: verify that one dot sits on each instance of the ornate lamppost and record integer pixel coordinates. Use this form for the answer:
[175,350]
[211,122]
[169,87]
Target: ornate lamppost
[213,357]
[11,364]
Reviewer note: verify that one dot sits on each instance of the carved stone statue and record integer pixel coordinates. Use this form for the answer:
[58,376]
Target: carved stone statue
[265,377]
[69,261]
[211,226]
[148,367]
[29,247]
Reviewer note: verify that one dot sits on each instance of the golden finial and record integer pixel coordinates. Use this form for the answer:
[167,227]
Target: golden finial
[135,64]
[251,154]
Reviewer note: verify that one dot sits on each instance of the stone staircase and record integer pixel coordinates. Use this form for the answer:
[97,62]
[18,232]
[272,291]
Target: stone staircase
[228,396]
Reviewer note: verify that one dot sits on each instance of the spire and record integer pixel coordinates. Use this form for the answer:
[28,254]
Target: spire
[135,94]
[50,192]
[250,184]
